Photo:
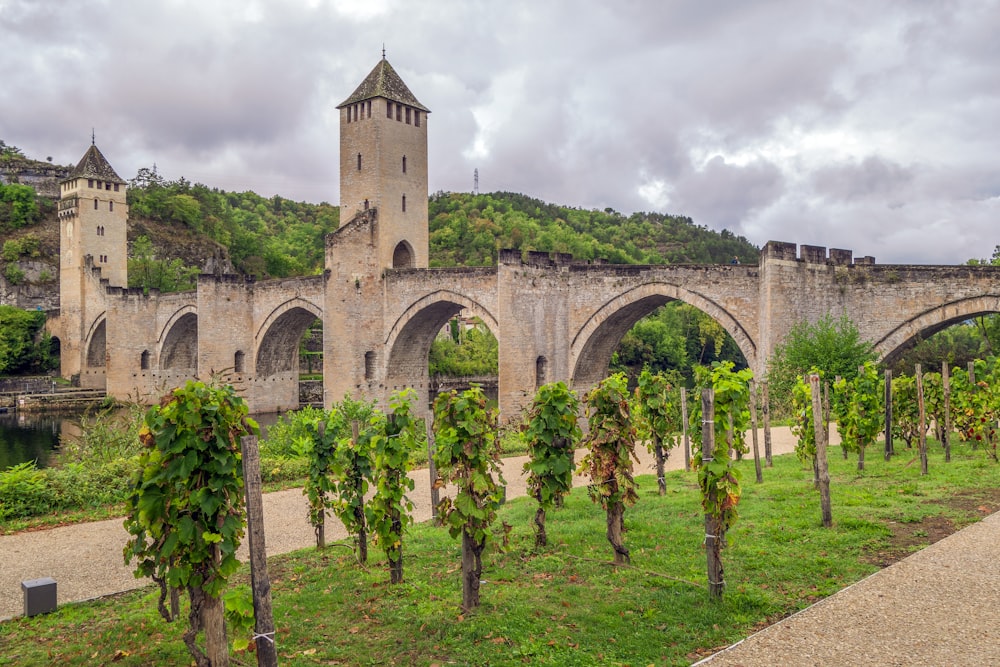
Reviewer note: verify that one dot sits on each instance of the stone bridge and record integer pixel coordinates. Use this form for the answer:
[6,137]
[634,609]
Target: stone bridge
[554,319]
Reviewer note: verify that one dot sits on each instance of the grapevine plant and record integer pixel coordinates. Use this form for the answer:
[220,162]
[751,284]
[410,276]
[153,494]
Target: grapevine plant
[551,433]
[611,440]
[186,513]
[718,477]
[659,412]
[355,424]
[388,511]
[858,409]
[467,456]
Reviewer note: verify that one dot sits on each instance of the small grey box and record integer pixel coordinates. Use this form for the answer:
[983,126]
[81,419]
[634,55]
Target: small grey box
[39,596]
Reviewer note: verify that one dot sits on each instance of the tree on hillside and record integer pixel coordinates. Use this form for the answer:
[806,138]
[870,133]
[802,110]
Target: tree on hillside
[24,347]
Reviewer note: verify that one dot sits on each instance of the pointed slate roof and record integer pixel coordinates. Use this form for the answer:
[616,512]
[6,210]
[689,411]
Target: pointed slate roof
[95,165]
[384,82]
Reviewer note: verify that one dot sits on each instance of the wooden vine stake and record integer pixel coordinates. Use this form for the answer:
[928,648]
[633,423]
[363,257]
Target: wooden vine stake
[713,538]
[753,425]
[888,414]
[946,390]
[922,419]
[267,654]
[824,472]
[432,471]
[684,429]
[765,408]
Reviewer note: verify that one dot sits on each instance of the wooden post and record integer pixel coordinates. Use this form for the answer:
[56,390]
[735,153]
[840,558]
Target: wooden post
[713,537]
[432,471]
[753,425]
[267,654]
[321,527]
[359,512]
[824,472]
[765,408]
[921,419]
[826,410]
[684,429]
[861,444]
[888,414]
[843,445]
[972,383]
[946,389]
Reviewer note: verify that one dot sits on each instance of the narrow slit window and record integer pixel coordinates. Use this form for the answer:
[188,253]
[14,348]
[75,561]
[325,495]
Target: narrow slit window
[111,206]
[369,365]
[416,117]
[359,161]
[95,203]
[404,164]
[404,203]
[388,109]
[407,115]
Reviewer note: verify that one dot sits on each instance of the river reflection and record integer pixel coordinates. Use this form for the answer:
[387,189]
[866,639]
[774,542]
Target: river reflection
[29,437]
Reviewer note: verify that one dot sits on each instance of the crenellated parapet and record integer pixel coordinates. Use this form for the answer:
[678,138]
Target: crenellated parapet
[811,254]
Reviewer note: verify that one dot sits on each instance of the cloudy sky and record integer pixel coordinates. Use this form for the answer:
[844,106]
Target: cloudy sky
[873,126]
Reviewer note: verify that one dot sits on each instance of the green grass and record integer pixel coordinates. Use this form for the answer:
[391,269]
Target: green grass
[564,605]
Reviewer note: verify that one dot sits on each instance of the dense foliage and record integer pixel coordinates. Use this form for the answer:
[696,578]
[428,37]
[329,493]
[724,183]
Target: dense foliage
[467,230]
[273,237]
[462,352]
[24,346]
[831,345]
[18,206]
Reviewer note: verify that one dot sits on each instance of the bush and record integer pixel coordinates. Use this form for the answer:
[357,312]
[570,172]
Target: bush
[24,492]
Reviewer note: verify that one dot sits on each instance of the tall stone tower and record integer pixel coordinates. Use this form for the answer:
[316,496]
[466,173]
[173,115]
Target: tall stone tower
[93,254]
[383,165]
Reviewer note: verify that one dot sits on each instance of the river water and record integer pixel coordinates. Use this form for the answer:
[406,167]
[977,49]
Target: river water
[35,437]
[31,437]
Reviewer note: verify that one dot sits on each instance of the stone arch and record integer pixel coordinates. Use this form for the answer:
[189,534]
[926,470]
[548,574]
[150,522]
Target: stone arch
[905,335]
[97,343]
[179,341]
[409,340]
[278,337]
[402,256]
[595,342]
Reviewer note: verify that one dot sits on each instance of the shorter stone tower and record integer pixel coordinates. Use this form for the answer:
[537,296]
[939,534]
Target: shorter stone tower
[93,254]
[383,165]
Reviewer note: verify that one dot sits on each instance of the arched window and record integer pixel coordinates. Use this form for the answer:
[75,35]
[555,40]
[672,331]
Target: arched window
[402,256]
[144,360]
[541,371]
[238,361]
